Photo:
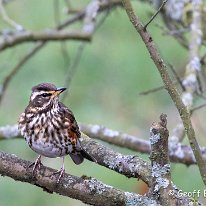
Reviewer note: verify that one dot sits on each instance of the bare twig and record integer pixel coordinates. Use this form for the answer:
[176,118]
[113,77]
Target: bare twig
[156,89]
[22,61]
[81,14]
[87,189]
[172,15]
[198,107]
[176,76]
[63,46]
[88,27]
[156,13]
[56,12]
[8,20]
[77,58]
[184,114]
[149,91]
[72,69]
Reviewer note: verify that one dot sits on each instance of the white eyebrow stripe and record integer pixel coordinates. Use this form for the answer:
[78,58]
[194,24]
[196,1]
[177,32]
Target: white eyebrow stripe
[34,94]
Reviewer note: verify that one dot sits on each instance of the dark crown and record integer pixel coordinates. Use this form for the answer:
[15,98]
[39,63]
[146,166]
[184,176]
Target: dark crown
[44,87]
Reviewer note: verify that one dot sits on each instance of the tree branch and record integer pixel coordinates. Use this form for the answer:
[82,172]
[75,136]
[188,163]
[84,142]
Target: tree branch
[128,165]
[190,81]
[158,61]
[162,189]
[115,137]
[8,20]
[161,181]
[87,189]
[79,16]
[178,152]
[52,35]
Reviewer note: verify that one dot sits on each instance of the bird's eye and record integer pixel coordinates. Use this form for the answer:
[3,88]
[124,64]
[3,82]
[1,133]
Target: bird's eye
[46,94]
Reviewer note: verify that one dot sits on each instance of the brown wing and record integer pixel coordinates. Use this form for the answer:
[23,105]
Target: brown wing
[74,134]
[71,124]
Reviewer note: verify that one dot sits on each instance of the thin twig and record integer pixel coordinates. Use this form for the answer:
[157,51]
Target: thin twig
[156,89]
[80,15]
[72,69]
[156,13]
[63,46]
[8,20]
[198,107]
[176,76]
[88,27]
[149,91]
[56,12]
[22,61]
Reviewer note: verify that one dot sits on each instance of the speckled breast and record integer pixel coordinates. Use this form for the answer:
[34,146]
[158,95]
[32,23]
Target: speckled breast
[44,134]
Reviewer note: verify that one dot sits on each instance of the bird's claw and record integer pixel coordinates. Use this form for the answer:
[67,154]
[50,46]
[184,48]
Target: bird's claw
[37,165]
[61,174]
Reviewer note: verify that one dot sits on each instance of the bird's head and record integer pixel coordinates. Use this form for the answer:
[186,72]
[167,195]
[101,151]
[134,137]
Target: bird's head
[44,96]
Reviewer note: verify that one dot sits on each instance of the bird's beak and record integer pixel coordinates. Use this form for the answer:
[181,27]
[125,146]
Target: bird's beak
[59,91]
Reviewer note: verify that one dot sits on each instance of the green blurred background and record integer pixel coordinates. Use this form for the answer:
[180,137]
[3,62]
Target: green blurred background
[115,67]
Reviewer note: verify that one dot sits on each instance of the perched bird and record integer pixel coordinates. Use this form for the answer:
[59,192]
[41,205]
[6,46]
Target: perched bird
[50,128]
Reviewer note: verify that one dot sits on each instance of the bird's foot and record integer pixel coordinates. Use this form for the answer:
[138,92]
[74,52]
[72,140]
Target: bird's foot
[37,165]
[61,174]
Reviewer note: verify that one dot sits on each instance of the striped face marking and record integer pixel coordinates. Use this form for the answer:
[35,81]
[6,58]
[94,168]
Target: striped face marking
[42,99]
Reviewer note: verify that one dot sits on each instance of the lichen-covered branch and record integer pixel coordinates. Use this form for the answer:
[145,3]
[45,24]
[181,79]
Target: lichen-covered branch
[162,68]
[161,175]
[190,81]
[115,137]
[87,189]
[162,189]
[173,15]
[178,152]
[128,165]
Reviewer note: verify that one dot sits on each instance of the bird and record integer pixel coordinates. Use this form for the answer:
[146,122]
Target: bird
[50,128]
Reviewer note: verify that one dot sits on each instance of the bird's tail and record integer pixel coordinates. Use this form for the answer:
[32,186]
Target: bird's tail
[78,157]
